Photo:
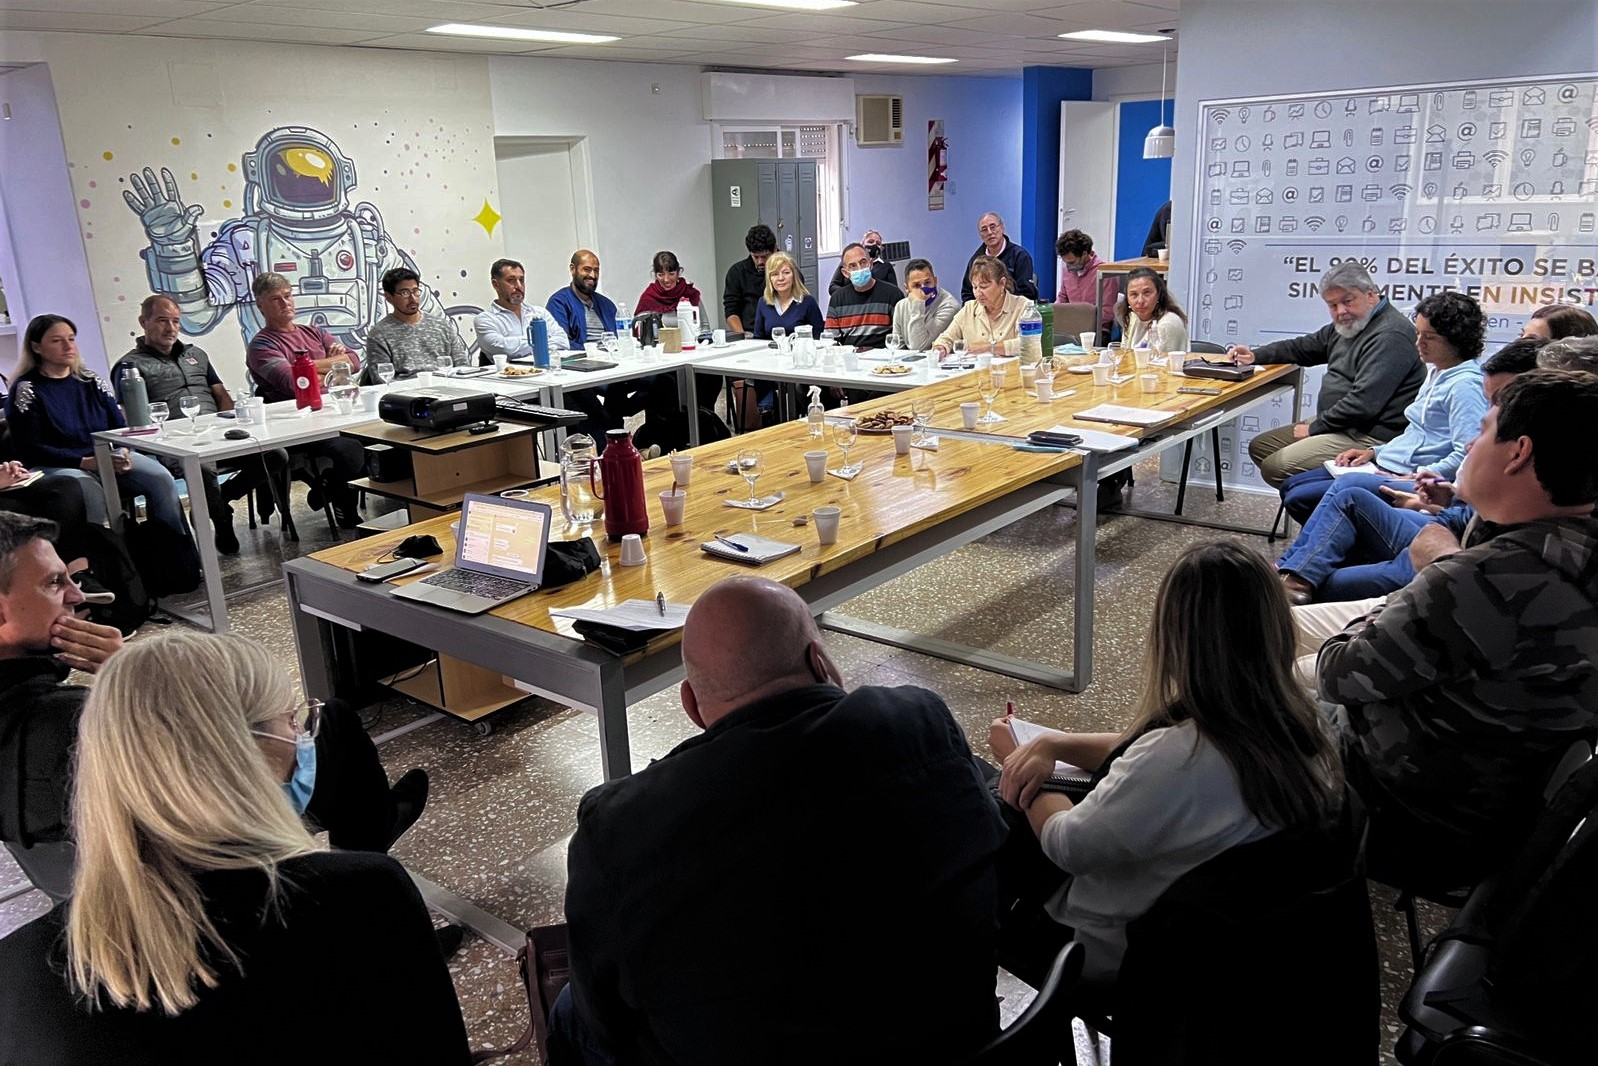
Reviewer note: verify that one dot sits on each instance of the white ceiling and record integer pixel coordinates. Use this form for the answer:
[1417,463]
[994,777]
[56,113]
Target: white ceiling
[985,36]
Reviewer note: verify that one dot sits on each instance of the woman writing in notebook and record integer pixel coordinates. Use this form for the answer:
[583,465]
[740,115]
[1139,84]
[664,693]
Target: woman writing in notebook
[1224,749]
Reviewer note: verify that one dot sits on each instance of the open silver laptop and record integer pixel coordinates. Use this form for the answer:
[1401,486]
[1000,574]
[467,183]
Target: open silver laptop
[499,555]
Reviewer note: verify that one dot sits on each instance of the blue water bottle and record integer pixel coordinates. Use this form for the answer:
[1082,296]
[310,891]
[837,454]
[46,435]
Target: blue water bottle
[538,337]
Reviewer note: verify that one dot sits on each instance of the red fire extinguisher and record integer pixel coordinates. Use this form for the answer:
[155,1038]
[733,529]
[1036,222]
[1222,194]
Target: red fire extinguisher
[307,382]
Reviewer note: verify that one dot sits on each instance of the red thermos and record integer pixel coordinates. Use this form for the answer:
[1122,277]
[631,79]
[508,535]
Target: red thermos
[307,382]
[621,471]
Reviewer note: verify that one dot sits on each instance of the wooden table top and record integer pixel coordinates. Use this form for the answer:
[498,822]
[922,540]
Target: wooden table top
[893,498]
[1126,266]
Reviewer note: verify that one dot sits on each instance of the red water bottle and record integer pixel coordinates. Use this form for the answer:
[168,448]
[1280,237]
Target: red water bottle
[307,382]
[621,471]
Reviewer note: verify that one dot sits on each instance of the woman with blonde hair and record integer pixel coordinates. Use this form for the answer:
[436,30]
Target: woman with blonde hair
[1225,748]
[204,922]
[991,320]
[786,302]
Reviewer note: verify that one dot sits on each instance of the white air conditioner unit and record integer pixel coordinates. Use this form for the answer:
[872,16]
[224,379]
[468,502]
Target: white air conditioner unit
[879,120]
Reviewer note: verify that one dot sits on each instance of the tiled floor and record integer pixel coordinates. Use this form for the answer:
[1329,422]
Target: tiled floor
[502,807]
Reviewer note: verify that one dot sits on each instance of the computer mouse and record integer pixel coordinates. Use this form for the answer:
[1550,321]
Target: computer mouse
[237,434]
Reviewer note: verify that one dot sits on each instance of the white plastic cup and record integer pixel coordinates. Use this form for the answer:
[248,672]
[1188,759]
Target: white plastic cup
[816,464]
[826,519]
[632,550]
[1087,340]
[344,407]
[590,348]
[501,361]
[1164,254]
[968,414]
[1149,382]
[1045,388]
[671,505]
[984,360]
[851,360]
[718,337]
[682,468]
[1029,376]
[1101,374]
[370,398]
[901,440]
[425,379]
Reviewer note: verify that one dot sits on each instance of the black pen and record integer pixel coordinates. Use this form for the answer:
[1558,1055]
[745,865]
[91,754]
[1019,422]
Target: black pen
[660,602]
[731,543]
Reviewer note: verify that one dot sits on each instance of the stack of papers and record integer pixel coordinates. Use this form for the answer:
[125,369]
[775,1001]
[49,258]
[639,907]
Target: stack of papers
[633,615]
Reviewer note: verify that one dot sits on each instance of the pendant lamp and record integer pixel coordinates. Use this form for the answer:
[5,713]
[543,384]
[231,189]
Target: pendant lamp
[1161,141]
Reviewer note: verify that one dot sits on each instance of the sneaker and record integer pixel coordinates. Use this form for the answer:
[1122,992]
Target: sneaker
[410,798]
[449,939]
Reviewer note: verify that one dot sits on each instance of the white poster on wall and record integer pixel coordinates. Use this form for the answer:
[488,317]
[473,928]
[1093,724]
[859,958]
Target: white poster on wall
[1486,188]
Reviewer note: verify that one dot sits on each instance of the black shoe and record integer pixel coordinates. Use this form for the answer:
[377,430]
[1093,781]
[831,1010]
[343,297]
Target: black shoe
[410,798]
[227,542]
[265,505]
[449,939]
[347,517]
[313,499]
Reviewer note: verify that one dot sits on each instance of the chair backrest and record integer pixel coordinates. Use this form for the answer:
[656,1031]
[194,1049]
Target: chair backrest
[1280,928]
[1044,1028]
[1206,347]
[1072,319]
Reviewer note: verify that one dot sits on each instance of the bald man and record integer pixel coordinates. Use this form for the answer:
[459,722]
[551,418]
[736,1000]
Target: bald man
[579,308]
[715,897]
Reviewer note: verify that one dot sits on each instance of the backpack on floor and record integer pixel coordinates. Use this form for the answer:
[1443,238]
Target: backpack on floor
[168,561]
[113,567]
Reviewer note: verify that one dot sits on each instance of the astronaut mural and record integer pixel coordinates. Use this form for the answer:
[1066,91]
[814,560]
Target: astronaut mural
[297,222]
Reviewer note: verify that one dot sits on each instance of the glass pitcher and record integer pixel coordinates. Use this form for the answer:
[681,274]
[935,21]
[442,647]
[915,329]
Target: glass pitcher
[338,376]
[579,472]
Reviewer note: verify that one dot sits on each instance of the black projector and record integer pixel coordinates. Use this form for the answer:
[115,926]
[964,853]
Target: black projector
[436,408]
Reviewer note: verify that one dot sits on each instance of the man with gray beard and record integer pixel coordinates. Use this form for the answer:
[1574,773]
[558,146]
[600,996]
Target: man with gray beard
[1372,373]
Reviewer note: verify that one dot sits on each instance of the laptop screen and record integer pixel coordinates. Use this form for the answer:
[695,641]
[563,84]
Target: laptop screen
[503,537]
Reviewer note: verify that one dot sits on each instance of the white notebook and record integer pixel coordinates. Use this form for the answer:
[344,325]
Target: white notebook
[1066,775]
[1125,416]
[760,549]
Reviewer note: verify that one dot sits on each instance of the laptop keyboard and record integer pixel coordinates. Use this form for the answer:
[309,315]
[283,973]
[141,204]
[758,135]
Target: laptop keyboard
[476,584]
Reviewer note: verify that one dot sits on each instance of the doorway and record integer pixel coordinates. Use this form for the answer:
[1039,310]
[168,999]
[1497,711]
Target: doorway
[546,196]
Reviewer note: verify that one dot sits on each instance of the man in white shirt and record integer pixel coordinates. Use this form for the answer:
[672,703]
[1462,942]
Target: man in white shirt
[926,309]
[502,327]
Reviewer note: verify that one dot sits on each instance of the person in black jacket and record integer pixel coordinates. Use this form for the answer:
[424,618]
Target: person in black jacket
[1017,260]
[713,897]
[1159,229]
[204,922]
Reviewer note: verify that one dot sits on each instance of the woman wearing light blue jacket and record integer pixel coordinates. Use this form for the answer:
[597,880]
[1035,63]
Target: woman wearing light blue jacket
[1444,417]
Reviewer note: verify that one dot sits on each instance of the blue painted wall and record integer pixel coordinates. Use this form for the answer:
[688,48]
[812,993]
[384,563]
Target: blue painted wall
[1141,185]
[1043,89]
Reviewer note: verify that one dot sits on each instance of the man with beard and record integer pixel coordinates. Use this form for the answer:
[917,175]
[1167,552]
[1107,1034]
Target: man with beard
[1372,373]
[579,308]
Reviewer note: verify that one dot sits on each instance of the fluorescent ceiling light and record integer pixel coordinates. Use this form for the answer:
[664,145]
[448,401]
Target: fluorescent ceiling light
[1114,36]
[801,5]
[874,57]
[511,33]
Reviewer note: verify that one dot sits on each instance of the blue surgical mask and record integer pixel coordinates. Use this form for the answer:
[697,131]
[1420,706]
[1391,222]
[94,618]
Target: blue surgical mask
[858,278]
[302,782]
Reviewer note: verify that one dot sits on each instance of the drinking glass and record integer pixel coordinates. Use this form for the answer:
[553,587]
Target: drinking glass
[988,387]
[895,342]
[779,337]
[609,343]
[959,353]
[751,464]
[159,413]
[190,406]
[921,411]
[384,372]
[844,434]
[446,365]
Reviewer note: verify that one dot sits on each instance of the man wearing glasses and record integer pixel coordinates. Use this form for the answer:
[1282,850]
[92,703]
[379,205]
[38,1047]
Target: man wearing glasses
[1017,260]
[407,338]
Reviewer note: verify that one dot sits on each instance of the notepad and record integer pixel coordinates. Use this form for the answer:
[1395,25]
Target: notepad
[1125,416]
[1098,440]
[1066,775]
[25,482]
[761,549]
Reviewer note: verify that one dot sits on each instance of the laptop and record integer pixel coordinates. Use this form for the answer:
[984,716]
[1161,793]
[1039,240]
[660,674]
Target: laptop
[499,555]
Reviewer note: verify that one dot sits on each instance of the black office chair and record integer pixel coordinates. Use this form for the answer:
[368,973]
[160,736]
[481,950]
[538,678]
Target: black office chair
[1204,348]
[1513,978]
[1044,1028]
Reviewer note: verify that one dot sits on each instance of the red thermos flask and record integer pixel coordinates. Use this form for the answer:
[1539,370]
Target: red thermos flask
[307,382]
[621,471]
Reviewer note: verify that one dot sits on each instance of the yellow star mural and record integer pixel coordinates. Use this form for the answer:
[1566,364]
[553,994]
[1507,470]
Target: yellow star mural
[488,218]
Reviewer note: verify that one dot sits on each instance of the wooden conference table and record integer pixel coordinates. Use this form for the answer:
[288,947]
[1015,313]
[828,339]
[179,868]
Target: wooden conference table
[899,513]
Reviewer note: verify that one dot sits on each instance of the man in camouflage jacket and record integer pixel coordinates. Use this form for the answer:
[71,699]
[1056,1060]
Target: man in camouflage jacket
[1466,688]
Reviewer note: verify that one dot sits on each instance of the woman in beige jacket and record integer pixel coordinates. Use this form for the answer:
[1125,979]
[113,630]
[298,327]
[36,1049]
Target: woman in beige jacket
[990,322]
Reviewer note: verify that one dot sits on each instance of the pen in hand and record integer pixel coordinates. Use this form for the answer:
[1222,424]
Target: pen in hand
[732,543]
[660,602]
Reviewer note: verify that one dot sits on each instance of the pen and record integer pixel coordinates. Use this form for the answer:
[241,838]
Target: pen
[660,602]
[1009,708]
[734,545]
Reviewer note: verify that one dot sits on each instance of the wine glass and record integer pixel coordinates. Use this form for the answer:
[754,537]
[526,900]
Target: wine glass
[384,372]
[895,342]
[159,413]
[922,408]
[751,464]
[959,353]
[988,387]
[190,406]
[844,435]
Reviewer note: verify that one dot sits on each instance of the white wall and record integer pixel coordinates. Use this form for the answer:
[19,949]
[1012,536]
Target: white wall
[45,268]
[649,155]
[888,186]
[1136,83]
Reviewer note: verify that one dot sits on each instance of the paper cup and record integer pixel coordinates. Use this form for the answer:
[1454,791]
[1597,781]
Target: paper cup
[901,440]
[671,505]
[1029,376]
[425,379]
[682,468]
[501,361]
[1045,387]
[370,398]
[1101,374]
[1164,254]
[851,360]
[816,464]
[826,519]
[718,337]
[1087,339]
[632,550]
[1149,382]
[344,407]
[968,414]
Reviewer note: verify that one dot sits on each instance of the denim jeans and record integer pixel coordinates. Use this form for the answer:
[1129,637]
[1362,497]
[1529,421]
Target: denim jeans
[147,478]
[1355,544]
[1302,493]
[570,1041]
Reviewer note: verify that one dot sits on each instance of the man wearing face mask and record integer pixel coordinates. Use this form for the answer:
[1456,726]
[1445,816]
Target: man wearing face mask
[338,783]
[1079,278]
[926,310]
[861,313]
[881,269]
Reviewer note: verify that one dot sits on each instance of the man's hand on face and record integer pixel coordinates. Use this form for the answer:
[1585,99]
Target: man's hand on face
[82,644]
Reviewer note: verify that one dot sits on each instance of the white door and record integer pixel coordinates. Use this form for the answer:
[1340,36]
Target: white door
[547,203]
[1087,172]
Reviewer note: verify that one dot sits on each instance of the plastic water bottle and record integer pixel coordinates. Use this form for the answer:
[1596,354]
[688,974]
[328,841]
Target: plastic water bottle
[624,327]
[538,338]
[815,414]
[1031,328]
[135,398]
[687,325]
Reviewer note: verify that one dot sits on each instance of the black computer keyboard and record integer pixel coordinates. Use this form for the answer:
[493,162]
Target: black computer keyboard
[474,583]
[514,410]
